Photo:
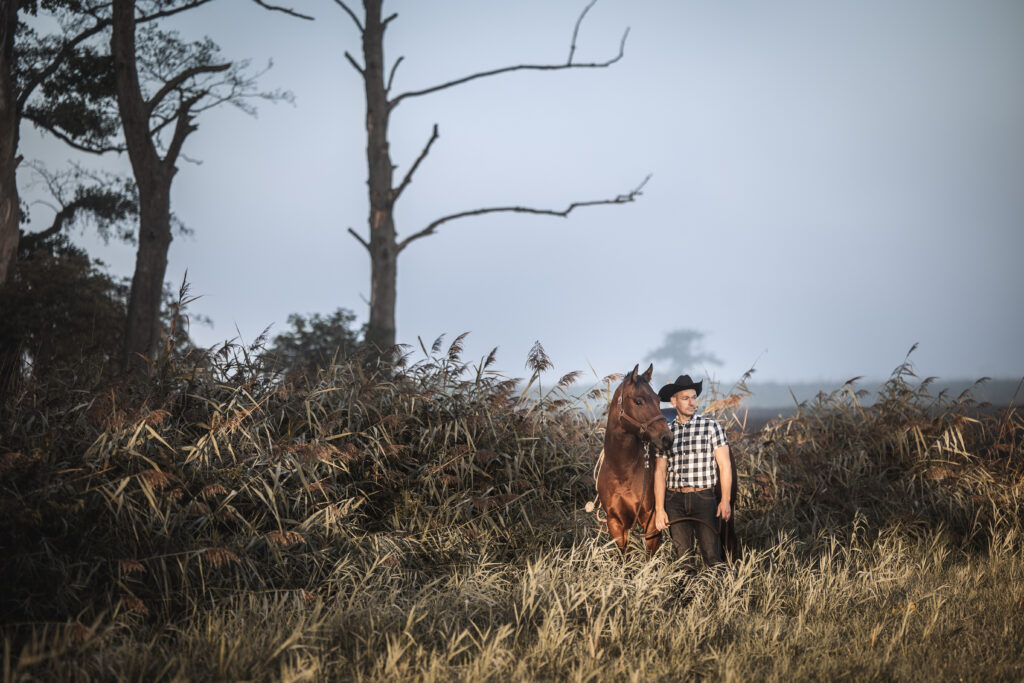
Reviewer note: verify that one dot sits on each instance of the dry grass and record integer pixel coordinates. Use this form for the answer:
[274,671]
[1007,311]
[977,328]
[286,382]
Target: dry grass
[427,522]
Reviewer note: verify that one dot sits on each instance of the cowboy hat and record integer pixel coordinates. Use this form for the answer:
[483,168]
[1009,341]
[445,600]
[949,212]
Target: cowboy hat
[682,382]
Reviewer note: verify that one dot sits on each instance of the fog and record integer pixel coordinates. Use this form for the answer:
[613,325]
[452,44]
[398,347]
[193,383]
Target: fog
[831,183]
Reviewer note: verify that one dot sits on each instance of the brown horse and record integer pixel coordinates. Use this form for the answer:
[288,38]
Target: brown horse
[636,428]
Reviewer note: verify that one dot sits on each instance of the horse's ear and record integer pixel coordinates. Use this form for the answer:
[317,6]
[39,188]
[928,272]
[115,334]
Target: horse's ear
[631,377]
[648,373]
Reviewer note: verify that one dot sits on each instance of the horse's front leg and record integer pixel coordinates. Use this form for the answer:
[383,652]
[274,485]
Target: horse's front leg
[652,537]
[619,531]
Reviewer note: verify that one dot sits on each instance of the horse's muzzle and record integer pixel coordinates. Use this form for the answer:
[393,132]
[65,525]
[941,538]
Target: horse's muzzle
[665,442]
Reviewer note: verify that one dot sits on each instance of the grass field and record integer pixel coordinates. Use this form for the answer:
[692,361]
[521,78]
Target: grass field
[427,523]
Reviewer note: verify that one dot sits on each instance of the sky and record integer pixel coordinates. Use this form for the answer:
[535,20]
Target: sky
[831,182]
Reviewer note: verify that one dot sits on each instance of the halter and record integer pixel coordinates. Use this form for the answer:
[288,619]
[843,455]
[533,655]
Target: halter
[643,426]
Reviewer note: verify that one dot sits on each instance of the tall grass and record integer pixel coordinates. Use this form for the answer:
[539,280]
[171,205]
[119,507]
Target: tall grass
[426,521]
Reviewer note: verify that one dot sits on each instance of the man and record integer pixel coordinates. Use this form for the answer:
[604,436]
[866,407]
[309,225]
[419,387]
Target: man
[685,476]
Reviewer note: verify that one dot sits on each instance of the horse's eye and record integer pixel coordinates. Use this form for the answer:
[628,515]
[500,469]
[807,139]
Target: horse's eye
[638,401]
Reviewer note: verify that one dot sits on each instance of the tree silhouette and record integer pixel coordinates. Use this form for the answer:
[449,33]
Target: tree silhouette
[314,342]
[681,353]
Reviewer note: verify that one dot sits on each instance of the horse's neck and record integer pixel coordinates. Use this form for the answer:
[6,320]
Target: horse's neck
[622,449]
[614,413]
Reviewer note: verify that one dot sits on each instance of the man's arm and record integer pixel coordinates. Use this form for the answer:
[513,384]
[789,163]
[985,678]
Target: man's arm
[725,475]
[660,472]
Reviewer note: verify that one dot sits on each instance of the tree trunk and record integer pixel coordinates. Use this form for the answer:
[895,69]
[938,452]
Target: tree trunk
[142,329]
[9,207]
[153,176]
[383,249]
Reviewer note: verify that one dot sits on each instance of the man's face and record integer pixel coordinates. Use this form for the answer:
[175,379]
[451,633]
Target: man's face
[685,402]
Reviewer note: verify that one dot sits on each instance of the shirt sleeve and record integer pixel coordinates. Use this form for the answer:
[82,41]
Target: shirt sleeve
[718,436]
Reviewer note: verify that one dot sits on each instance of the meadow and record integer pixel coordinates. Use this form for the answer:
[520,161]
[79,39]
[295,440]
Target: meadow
[427,521]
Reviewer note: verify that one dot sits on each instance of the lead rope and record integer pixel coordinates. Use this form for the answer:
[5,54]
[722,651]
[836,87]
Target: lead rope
[595,505]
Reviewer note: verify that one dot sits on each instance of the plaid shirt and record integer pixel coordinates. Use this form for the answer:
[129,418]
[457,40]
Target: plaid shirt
[691,460]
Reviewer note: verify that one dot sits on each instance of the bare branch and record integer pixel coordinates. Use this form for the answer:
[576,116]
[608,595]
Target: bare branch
[507,69]
[170,85]
[408,176]
[576,30]
[351,14]
[359,239]
[429,230]
[522,67]
[163,122]
[275,8]
[394,68]
[29,241]
[171,12]
[355,64]
[182,129]
[388,20]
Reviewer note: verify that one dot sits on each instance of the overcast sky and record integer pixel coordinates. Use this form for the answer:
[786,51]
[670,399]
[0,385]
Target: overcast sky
[832,182]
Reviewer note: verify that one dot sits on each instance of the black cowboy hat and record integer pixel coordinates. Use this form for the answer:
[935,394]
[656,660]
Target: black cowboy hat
[682,382]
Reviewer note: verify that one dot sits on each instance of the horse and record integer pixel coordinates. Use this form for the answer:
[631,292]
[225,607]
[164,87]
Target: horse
[625,482]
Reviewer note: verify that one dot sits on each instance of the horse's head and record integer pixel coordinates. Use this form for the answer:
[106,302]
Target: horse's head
[640,409]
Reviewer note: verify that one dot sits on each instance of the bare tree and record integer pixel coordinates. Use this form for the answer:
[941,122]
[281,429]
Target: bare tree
[383,244]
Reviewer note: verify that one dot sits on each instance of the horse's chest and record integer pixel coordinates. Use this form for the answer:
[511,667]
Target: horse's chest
[621,478]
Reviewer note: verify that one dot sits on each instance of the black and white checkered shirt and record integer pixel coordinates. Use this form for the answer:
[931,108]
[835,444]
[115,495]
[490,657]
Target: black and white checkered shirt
[691,460]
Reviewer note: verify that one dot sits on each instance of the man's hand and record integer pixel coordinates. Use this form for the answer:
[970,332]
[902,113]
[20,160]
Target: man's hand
[724,511]
[660,519]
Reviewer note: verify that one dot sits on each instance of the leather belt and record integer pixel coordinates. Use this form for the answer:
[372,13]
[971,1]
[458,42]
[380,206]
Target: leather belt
[690,489]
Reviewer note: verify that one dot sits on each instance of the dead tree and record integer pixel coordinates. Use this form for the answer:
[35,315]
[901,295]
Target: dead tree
[383,244]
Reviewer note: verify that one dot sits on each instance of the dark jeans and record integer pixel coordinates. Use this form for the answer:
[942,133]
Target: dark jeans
[700,505]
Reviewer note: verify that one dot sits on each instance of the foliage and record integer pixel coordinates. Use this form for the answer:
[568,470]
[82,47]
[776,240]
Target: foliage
[426,522]
[78,100]
[62,312]
[64,317]
[68,81]
[105,202]
[315,341]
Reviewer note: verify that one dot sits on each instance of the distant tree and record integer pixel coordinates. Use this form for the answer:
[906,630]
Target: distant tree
[64,315]
[681,353]
[314,342]
[383,244]
[62,312]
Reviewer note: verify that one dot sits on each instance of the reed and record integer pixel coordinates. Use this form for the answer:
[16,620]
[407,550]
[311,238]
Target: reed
[426,521]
